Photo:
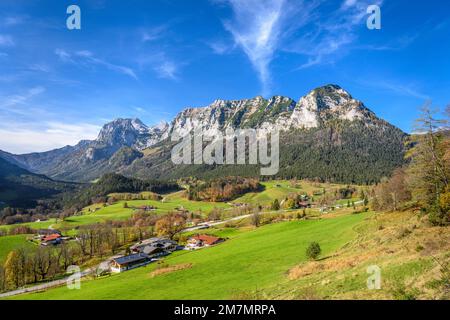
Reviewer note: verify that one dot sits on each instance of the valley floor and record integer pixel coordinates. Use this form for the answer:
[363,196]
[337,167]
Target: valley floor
[270,263]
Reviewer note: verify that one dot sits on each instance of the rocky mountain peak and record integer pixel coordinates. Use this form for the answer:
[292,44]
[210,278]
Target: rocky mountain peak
[327,103]
[122,131]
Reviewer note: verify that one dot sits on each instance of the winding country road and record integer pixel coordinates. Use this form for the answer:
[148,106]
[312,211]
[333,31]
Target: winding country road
[44,286]
[56,283]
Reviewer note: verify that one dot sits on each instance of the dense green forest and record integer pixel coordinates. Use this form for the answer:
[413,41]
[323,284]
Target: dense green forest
[23,189]
[77,198]
[342,152]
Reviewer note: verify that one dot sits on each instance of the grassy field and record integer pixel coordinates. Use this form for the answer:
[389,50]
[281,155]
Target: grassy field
[117,212]
[9,243]
[281,189]
[253,259]
[35,225]
[273,190]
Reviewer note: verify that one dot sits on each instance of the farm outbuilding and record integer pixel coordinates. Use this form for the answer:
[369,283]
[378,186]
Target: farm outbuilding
[129,262]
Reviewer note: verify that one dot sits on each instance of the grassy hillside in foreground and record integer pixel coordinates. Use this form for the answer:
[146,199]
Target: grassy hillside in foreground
[414,259]
[10,243]
[255,259]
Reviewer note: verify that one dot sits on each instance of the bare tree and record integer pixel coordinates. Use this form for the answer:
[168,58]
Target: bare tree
[429,171]
[256,219]
[43,260]
[65,256]
[83,241]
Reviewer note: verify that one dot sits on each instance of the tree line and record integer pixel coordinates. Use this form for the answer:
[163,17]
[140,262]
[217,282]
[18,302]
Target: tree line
[423,184]
[222,189]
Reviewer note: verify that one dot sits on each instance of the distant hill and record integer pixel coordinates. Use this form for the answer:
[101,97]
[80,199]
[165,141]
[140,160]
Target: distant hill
[327,135]
[21,188]
[115,183]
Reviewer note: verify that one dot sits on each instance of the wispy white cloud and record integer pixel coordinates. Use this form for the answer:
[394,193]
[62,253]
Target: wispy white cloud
[10,103]
[6,40]
[89,56]
[38,67]
[349,3]
[333,35]
[24,138]
[219,47]
[167,70]
[325,47]
[393,45]
[153,34]
[161,64]
[397,87]
[139,109]
[10,21]
[404,90]
[261,28]
[63,55]
[257,27]
[85,56]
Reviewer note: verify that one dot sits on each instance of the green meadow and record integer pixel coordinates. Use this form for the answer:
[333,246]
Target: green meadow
[10,243]
[281,189]
[98,213]
[247,261]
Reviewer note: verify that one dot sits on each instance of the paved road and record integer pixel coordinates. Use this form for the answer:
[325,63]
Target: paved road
[56,283]
[44,286]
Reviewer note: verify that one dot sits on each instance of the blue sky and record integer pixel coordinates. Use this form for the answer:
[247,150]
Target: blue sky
[151,59]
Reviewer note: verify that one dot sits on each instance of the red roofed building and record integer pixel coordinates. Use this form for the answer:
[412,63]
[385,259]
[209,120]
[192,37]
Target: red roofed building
[203,240]
[52,238]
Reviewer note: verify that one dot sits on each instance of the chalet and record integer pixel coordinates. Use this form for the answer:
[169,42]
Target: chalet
[156,247]
[201,241]
[53,239]
[129,262]
[152,251]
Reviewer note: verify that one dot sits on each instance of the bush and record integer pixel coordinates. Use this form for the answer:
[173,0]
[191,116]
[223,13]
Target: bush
[275,205]
[438,217]
[313,251]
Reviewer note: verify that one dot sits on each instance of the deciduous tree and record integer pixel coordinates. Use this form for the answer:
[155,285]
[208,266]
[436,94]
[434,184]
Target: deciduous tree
[170,225]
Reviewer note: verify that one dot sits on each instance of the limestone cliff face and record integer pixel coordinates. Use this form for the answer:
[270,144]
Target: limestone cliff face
[122,141]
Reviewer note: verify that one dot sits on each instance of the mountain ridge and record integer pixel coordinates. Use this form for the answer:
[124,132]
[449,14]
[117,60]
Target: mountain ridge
[123,141]
[22,188]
